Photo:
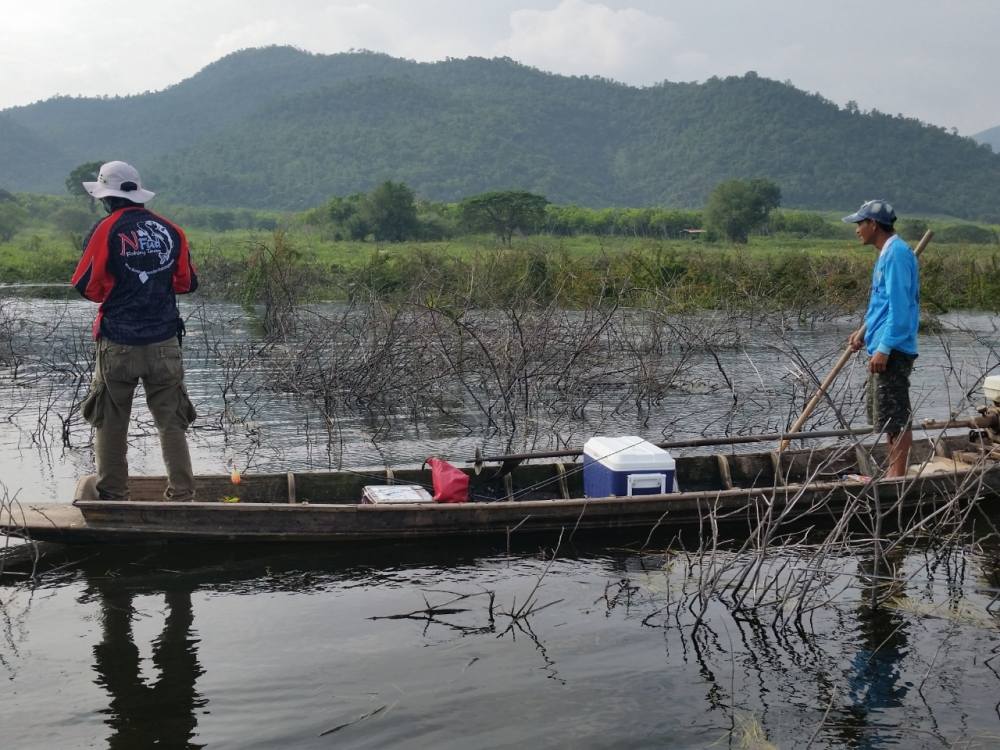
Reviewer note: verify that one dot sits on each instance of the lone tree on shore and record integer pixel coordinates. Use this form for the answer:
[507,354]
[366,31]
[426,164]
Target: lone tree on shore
[12,215]
[390,211]
[737,207]
[504,212]
[86,172]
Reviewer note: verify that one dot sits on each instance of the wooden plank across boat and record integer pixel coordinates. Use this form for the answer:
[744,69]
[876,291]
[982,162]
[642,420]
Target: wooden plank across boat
[547,496]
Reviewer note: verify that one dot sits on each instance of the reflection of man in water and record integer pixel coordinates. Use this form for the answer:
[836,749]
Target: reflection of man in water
[873,677]
[161,714]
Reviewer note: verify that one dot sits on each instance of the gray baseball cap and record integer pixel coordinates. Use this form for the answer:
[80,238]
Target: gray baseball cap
[879,210]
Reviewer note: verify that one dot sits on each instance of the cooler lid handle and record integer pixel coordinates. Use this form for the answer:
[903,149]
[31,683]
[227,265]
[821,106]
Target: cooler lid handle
[645,481]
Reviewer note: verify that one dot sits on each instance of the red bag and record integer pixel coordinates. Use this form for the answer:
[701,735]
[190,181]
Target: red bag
[451,485]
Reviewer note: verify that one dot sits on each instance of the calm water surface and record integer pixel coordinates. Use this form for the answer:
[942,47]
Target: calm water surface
[578,643]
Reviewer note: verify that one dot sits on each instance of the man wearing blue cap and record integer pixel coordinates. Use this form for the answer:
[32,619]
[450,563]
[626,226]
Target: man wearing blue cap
[890,331]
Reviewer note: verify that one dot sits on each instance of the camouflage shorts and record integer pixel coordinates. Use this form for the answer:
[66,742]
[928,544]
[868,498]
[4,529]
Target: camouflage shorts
[889,394]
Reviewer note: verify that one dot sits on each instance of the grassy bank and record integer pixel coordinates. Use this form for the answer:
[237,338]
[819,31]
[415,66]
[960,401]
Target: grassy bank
[771,272]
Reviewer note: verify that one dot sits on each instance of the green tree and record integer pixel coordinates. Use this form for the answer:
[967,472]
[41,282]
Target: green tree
[970,233]
[339,217]
[73,219]
[737,207]
[222,221]
[12,218]
[912,230]
[391,212]
[339,209]
[86,172]
[504,212]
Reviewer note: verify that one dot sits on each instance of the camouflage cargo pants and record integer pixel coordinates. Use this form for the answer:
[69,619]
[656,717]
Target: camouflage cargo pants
[889,394]
[108,407]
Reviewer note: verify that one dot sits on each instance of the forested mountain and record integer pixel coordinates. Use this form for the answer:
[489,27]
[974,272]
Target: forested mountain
[29,162]
[282,128]
[991,137]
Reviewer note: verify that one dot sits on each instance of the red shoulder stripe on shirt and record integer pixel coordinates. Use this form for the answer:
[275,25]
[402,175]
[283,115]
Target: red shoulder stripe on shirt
[91,277]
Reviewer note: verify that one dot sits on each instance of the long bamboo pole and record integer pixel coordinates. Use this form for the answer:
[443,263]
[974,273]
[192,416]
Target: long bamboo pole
[692,443]
[844,359]
[991,421]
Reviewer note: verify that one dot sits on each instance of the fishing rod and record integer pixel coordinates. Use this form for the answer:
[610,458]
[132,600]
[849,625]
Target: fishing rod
[694,443]
[973,423]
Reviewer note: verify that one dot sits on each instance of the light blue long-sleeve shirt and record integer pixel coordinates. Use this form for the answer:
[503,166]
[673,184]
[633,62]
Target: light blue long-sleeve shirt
[894,307]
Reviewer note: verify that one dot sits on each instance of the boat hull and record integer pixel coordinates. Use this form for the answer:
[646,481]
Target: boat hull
[304,507]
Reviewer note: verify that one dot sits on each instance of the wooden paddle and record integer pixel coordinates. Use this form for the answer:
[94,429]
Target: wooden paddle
[844,358]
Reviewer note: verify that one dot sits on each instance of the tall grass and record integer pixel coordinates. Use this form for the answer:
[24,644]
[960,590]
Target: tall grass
[39,256]
[779,273]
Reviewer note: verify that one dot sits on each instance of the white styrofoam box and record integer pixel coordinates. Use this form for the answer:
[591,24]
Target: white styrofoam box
[991,387]
[626,466]
[380,494]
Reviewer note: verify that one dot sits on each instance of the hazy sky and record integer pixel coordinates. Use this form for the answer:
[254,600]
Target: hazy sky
[935,60]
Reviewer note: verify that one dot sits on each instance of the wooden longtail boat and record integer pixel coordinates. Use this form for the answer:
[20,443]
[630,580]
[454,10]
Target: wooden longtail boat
[528,496]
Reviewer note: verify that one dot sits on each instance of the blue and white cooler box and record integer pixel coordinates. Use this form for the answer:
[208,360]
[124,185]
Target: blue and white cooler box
[626,466]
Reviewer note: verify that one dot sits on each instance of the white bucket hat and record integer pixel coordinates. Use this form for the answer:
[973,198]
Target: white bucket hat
[121,180]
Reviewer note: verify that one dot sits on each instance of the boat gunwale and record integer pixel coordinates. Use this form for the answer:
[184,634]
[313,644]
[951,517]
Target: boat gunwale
[637,500]
[88,519]
[958,467]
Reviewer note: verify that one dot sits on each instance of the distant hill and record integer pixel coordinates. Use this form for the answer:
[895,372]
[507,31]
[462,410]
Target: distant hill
[29,162]
[278,127]
[991,137]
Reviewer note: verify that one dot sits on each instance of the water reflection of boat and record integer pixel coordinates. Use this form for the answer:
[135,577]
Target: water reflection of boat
[526,496]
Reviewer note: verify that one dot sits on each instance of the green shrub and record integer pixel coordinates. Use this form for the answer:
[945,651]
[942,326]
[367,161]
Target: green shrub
[967,233]
[73,219]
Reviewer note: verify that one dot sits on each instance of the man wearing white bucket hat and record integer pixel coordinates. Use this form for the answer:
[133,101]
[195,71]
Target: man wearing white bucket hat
[134,264]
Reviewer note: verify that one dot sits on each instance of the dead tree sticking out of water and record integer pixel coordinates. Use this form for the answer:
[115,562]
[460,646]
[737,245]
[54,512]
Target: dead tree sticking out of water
[10,508]
[521,373]
[53,359]
[274,282]
[790,565]
[11,357]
